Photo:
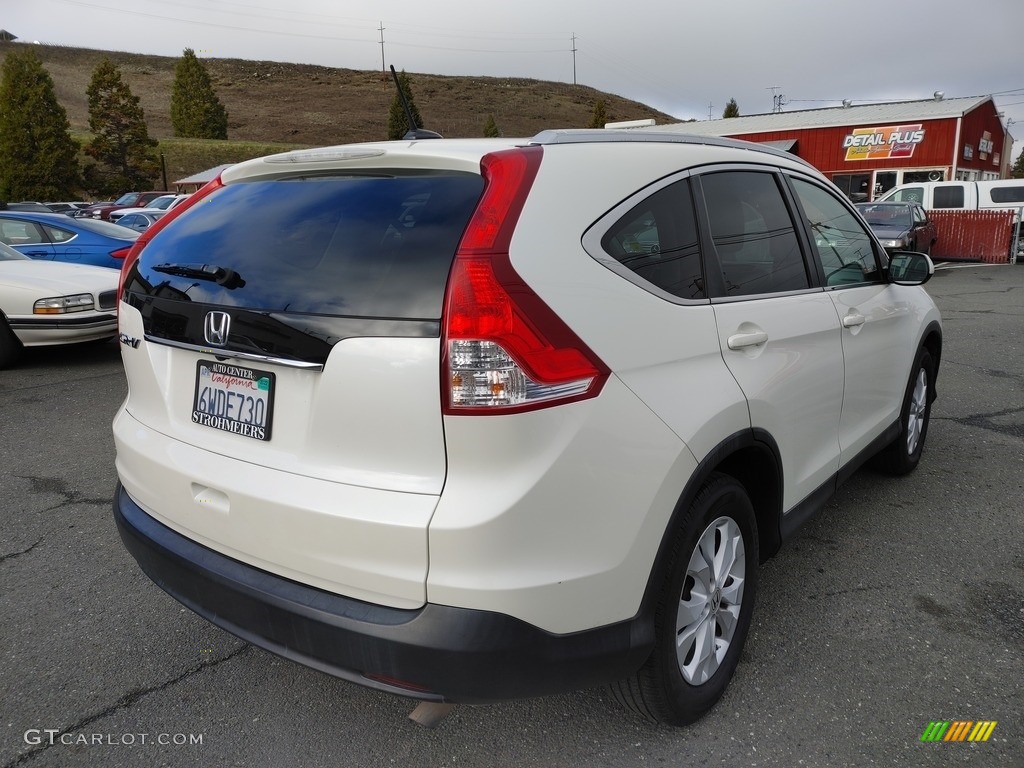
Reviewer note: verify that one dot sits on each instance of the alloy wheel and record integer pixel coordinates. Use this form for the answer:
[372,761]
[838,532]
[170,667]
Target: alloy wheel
[710,603]
[917,411]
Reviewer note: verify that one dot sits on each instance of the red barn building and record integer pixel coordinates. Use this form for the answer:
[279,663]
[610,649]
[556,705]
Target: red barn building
[868,149]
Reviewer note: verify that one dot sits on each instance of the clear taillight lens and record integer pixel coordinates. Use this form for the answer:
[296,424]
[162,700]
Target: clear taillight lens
[484,375]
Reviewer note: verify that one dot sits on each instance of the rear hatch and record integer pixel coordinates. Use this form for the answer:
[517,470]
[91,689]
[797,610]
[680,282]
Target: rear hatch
[284,381]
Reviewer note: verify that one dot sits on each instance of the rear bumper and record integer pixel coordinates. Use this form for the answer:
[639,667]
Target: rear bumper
[436,652]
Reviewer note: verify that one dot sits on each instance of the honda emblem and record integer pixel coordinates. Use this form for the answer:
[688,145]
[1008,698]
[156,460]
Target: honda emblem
[216,328]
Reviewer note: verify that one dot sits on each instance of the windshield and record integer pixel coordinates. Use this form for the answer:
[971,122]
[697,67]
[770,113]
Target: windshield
[886,215]
[162,202]
[127,199]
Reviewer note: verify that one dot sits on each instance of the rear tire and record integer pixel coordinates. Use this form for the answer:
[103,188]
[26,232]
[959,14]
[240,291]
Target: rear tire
[904,453]
[10,347]
[708,586]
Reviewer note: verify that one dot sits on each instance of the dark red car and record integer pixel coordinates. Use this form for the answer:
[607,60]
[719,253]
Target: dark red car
[900,226]
[127,200]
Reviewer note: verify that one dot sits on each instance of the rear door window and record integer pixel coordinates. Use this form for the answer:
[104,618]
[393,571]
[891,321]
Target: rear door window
[753,234]
[372,246]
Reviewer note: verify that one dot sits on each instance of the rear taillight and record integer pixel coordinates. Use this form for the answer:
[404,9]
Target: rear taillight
[505,350]
[132,254]
[120,253]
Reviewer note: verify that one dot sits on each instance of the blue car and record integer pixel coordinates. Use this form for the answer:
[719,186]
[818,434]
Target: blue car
[58,237]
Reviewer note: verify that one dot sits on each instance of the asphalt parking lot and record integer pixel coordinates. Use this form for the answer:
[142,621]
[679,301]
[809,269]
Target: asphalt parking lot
[902,604]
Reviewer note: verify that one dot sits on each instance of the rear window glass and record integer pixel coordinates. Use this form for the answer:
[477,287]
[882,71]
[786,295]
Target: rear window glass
[105,228]
[376,246]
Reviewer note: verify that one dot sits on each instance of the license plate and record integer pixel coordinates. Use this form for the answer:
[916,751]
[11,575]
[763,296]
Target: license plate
[234,399]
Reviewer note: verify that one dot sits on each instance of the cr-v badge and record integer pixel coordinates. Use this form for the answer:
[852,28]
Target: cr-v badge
[216,328]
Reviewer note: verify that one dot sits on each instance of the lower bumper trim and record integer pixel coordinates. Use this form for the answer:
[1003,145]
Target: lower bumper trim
[434,653]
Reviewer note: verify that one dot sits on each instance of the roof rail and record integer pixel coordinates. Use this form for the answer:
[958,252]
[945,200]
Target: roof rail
[600,135]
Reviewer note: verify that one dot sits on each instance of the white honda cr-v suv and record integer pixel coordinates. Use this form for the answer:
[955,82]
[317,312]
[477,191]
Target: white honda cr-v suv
[468,420]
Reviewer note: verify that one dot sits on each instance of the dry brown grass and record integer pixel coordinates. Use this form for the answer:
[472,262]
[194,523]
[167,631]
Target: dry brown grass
[314,105]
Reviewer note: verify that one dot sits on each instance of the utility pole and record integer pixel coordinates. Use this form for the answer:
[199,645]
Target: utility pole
[710,107]
[574,58]
[383,73]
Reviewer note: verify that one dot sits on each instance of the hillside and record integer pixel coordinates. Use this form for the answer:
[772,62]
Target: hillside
[270,102]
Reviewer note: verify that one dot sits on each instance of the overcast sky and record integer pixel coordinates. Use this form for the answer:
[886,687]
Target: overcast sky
[681,57]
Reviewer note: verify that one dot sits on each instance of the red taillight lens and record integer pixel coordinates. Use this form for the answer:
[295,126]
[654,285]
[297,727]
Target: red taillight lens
[120,253]
[505,348]
[132,254]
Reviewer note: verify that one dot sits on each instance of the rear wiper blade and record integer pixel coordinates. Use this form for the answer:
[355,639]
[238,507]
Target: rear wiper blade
[220,275]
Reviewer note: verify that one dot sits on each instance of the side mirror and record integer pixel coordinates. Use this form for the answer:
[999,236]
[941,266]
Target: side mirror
[909,268]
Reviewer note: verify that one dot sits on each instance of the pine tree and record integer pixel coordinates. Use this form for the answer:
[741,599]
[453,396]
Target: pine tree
[196,112]
[120,144]
[398,123]
[731,109]
[599,119]
[491,128]
[1017,169]
[38,157]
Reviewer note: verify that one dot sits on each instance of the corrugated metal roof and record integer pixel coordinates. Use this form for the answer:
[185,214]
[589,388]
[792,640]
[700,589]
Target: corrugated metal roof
[864,114]
[204,176]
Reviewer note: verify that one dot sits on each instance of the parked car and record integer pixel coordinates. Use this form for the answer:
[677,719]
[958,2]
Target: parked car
[900,226]
[467,420]
[160,205]
[127,200]
[58,237]
[26,206]
[45,303]
[138,221]
[68,209]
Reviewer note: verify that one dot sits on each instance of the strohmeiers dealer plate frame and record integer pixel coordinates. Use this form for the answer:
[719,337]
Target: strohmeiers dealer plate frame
[234,398]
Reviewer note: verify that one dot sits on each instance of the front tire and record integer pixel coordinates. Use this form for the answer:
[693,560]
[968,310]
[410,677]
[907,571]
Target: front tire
[708,586]
[904,453]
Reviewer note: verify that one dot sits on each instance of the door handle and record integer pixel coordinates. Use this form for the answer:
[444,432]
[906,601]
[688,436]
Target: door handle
[749,339]
[852,320]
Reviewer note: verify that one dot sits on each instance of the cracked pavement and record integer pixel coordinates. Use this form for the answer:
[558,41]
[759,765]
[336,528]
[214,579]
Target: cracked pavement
[902,603]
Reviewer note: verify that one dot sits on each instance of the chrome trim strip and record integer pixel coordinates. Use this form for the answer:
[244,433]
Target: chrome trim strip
[231,354]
